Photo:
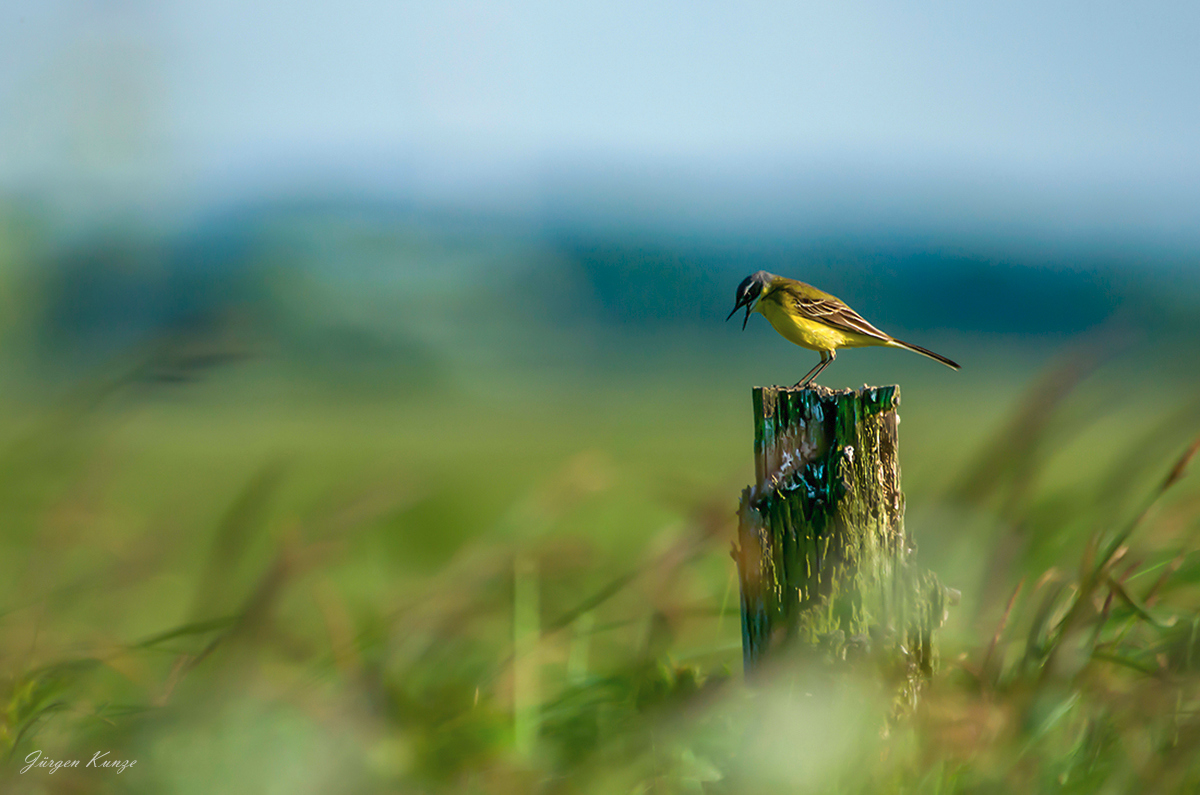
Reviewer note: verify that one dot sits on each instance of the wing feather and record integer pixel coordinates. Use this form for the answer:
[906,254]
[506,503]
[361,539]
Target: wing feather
[826,309]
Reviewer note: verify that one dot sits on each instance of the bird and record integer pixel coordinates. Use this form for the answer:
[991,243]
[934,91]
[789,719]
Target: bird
[814,319]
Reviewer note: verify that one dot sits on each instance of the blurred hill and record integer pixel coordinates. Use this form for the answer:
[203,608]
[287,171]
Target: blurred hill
[374,290]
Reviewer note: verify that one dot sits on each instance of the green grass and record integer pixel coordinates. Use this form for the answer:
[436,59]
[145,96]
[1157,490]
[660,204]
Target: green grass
[516,583]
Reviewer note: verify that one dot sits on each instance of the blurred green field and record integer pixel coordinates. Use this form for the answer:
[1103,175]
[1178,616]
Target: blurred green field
[249,592]
[490,553]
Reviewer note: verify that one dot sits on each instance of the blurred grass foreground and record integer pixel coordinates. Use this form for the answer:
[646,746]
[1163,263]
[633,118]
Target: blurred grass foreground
[318,500]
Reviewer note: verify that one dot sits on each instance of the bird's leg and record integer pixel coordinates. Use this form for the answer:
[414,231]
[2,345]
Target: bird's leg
[808,376]
[826,358]
[820,370]
[824,364]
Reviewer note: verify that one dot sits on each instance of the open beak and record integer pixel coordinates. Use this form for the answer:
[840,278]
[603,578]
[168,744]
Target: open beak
[749,308]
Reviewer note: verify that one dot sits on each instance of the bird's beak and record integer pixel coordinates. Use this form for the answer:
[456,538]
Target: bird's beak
[747,302]
[749,306]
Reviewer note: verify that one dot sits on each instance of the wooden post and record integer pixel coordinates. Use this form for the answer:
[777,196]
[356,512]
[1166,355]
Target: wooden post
[822,554]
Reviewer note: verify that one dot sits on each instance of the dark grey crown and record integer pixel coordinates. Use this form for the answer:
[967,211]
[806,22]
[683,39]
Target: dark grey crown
[752,286]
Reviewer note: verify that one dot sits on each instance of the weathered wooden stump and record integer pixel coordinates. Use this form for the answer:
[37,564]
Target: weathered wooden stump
[822,554]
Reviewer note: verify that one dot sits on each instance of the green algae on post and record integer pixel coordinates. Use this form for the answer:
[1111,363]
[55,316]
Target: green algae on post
[822,554]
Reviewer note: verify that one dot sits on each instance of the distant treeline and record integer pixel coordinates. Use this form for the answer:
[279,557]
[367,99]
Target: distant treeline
[100,292]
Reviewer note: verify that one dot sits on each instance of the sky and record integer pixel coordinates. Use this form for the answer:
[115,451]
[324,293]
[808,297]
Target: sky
[1086,113]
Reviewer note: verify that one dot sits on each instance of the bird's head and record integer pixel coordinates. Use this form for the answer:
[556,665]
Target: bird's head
[748,293]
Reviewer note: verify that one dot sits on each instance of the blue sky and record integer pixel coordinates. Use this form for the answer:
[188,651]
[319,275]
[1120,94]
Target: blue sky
[1086,110]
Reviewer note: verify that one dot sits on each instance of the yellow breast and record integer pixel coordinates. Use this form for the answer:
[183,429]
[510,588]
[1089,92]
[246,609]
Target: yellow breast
[809,333]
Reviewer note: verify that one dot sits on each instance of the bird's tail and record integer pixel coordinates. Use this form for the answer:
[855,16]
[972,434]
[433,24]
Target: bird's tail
[926,352]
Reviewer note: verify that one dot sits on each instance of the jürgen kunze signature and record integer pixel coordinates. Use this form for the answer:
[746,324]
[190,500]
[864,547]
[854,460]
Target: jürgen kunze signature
[98,760]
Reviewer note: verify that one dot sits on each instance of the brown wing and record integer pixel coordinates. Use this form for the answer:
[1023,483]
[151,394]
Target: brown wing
[832,311]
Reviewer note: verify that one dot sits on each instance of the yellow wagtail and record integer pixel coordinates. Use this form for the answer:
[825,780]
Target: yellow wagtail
[814,320]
